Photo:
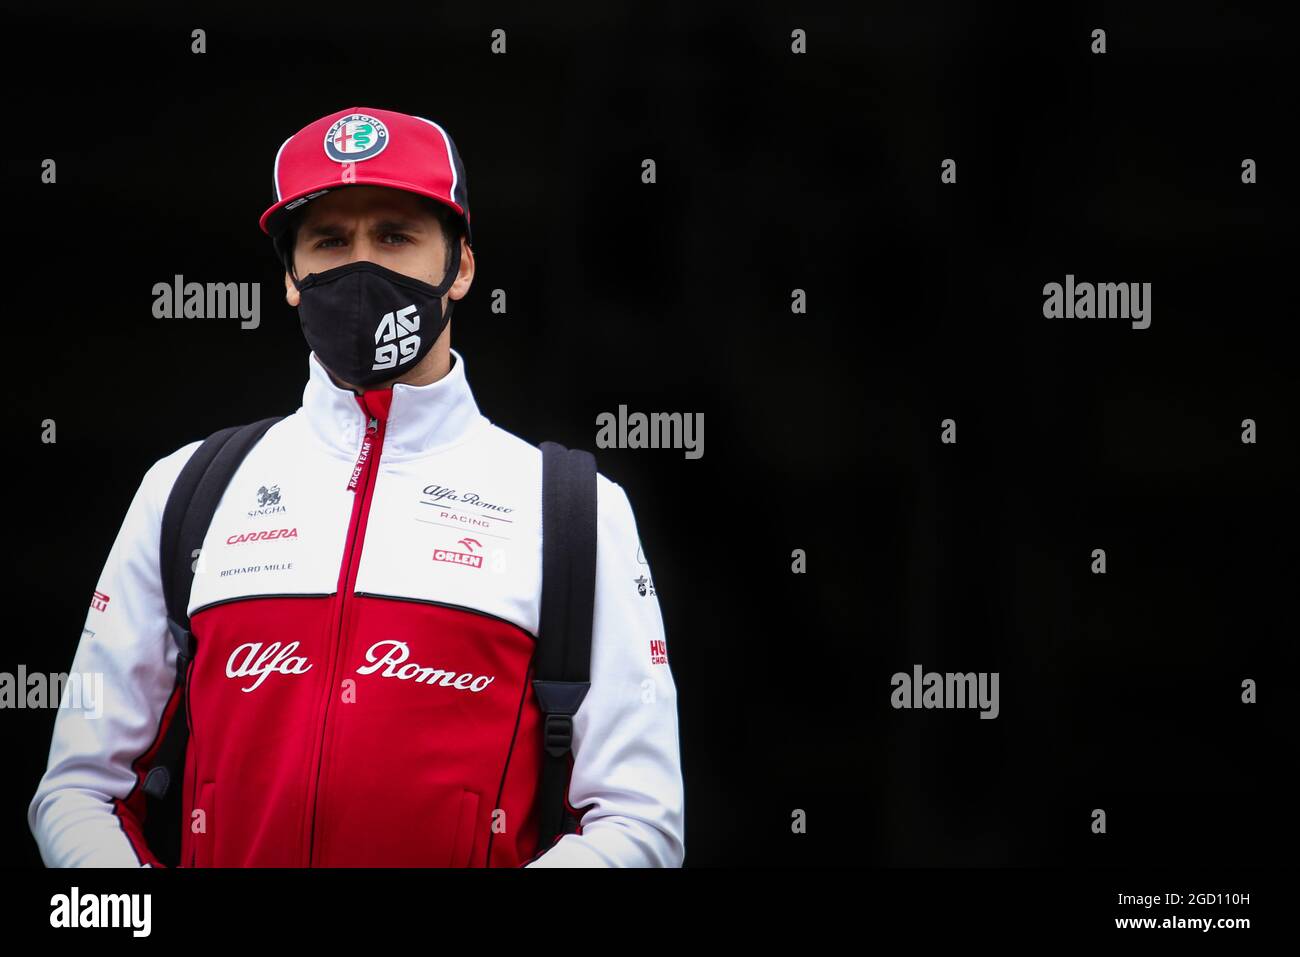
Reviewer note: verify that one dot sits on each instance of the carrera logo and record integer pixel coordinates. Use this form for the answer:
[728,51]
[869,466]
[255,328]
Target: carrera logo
[262,536]
[397,333]
[469,559]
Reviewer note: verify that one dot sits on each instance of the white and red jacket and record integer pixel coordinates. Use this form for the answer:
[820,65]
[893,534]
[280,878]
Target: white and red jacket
[365,614]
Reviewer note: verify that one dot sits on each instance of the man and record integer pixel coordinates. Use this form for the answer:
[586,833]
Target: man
[366,599]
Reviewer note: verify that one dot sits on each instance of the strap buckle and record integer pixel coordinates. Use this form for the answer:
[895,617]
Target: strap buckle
[557,735]
[559,701]
[184,640]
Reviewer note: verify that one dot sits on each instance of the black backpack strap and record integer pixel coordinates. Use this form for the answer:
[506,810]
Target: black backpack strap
[190,506]
[193,502]
[562,671]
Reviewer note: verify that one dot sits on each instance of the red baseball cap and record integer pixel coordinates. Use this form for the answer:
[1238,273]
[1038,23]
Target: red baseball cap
[367,147]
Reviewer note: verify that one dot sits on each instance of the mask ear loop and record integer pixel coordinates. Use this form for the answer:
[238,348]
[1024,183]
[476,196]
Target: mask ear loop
[448,281]
[282,251]
[449,278]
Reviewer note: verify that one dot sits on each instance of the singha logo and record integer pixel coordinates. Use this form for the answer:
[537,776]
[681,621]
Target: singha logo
[268,502]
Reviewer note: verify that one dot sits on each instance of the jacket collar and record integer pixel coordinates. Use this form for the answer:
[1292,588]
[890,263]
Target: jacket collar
[419,418]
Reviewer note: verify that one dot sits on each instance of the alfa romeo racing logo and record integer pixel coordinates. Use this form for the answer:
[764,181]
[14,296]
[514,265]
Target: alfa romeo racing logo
[355,137]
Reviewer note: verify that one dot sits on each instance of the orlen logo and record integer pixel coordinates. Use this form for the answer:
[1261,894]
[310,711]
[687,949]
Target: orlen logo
[262,536]
[397,331]
[469,559]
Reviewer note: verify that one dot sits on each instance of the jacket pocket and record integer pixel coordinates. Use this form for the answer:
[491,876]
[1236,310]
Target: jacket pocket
[202,840]
[462,851]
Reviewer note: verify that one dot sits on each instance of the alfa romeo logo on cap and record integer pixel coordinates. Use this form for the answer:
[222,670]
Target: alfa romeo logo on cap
[355,137]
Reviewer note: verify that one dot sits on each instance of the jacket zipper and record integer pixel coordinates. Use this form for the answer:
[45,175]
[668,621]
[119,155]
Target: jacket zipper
[191,767]
[360,481]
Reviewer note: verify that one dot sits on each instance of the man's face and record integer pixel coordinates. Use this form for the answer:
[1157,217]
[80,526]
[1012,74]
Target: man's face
[390,227]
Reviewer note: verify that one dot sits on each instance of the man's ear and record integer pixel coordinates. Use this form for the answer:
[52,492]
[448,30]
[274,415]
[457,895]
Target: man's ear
[465,277]
[290,291]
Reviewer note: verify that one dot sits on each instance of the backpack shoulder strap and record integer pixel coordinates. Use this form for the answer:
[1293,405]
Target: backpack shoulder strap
[192,503]
[563,656]
[190,506]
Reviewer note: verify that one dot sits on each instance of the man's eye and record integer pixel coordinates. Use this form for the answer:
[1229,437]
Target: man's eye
[388,238]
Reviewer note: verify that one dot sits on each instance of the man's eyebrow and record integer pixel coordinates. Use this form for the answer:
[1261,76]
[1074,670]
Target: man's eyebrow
[400,226]
[383,225]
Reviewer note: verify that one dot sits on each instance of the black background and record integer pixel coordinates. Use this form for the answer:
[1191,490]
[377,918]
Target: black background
[775,172]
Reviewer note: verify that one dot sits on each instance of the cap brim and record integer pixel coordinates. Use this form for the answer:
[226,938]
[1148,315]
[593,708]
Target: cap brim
[275,219]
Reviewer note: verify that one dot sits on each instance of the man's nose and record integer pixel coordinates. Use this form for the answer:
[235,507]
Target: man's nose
[363,247]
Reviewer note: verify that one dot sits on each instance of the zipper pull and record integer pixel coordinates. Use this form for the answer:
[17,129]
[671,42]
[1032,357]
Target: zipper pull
[371,428]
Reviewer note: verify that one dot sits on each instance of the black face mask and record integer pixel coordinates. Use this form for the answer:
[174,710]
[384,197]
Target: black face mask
[368,324]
